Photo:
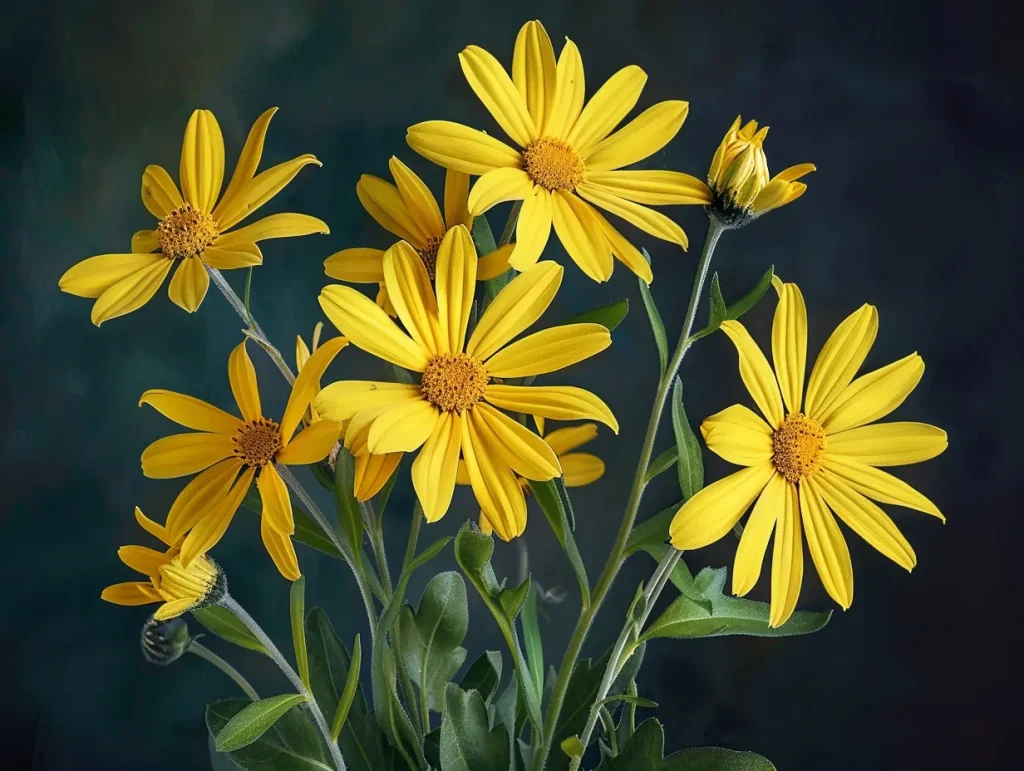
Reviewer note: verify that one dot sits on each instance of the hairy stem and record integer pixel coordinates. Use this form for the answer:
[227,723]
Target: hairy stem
[207,655]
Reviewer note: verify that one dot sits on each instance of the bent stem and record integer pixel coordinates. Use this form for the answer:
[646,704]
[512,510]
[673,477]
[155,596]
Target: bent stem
[228,603]
[207,655]
[617,555]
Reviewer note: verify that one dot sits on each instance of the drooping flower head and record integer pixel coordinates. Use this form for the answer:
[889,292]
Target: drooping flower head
[815,455]
[571,158]
[455,408]
[194,228]
[231,452]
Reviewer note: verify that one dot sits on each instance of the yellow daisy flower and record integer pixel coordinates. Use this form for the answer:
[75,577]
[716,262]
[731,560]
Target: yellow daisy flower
[452,409]
[570,158]
[226,445]
[179,587]
[740,189]
[409,211]
[815,455]
[194,229]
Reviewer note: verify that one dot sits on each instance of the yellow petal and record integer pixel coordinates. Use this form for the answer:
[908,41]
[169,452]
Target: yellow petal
[402,427]
[383,301]
[840,358]
[281,550]
[713,511]
[756,374]
[523,300]
[581,468]
[153,528]
[249,158]
[285,225]
[239,256]
[648,220]
[202,160]
[532,229]
[200,497]
[874,395]
[357,432]
[419,201]
[517,446]
[174,608]
[190,412]
[581,235]
[131,292]
[385,204]
[461,148]
[462,475]
[142,559]
[758,529]
[434,470]
[555,402]
[145,241]
[456,195]
[498,186]
[789,345]
[607,108]
[659,188]
[496,90]
[368,327]
[359,265]
[549,350]
[533,70]
[312,444]
[211,528]
[494,485]
[373,472]
[412,295]
[277,503]
[828,548]
[889,444]
[787,560]
[643,136]
[456,287]
[623,250]
[160,195]
[494,264]
[94,276]
[738,435]
[242,376]
[307,385]
[878,485]
[567,102]
[564,440]
[342,400]
[179,455]
[189,284]
[131,593]
[259,190]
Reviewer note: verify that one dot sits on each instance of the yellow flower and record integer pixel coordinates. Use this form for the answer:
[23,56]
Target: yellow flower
[193,231]
[226,446]
[452,409]
[740,188]
[815,455]
[179,587]
[569,154]
[409,211]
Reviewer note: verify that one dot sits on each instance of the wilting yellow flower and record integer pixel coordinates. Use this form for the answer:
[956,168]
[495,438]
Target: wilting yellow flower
[816,454]
[179,587]
[226,446]
[409,211]
[193,231]
[740,188]
[452,408]
[570,155]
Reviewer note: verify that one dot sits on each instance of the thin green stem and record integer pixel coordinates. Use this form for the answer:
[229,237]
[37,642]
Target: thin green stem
[510,224]
[616,557]
[207,655]
[414,535]
[373,525]
[609,730]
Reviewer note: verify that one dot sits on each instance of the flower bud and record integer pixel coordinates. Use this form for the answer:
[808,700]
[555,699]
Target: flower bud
[164,642]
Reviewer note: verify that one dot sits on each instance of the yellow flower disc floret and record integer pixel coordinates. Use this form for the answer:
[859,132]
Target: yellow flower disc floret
[553,164]
[428,254]
[257,442]
[454,382]
[186,232]
[797,446]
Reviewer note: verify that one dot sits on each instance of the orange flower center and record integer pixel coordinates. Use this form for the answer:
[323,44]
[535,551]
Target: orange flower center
[454,382]
[257,442]
[186,232]
[553,164]
[429,255]
[797,446]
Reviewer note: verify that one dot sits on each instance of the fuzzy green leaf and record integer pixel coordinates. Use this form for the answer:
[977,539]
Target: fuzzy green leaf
[608,316]
[307,530]
[254,720]
[657,325]
[350,514]
[662,463]
[467,742]
[646,747]
[291,744]
[297,606]
[550,500]
[483,675]
[225,624]
[348,695]
[690,465]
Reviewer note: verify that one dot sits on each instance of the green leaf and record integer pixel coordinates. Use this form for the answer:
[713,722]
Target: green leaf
[254,720]
[511,599]
[645,752]
[297,607]
[225,624]
[429,553]
[348,695]
[220,761]
[401,374]
[291,744]
[580,697]
[432,748]
[550,501]
[657,325]
[609,316]
[323,474]
[690,465]
[532,640]
[307,530]
[573,747]
[750,299]
[634,700]
[717,312]
[681,577]
[467,743]
[483,675]
[651,531]
[350,514]
[662,463]
[717,759]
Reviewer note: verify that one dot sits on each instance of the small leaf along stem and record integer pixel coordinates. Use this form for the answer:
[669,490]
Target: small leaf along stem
[510,224]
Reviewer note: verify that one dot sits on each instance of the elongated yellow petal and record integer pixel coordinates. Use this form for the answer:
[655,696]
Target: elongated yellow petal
[456,287]
[174,608]
[555,402]
[878,485]
[532,229]
[533,71]
[866,519]
[495,89]
[189,284]
[517,446]
[145,241]
[738,435]
[787,560]
[523,300]
[249,158]
[461,148]
[311,444]
[190,412]
[259,190]
[281,550]
[494,484]
[211,528]
[840,358]
[713,512]
[402,427]
[179,455]
[456,196]
[277,503]
[202,160]
[581,468]
[160,195]
[359,265]
[756,374]
[756,533]
[642,137]
[564,440]
[655,187]
[368,327]
[155,529]
[419,201]
[434,470]
[494,264]
[874,395]
[242,376]
[607,108]
[239,256]
[131,593]
[285,225]
[789,345]
[200,497]
[569,92]
[142,559]
[373,472]
[889,444]
[498,186]
[94,276]
[828,548]
[342,400]
[412,296]
[549,350]
[383,201]
[307,385]
[648,220]
[581,235]
[131,292]
[357,432]
[622,249]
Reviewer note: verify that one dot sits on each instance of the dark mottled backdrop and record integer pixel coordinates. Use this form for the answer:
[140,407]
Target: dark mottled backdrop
[911,112]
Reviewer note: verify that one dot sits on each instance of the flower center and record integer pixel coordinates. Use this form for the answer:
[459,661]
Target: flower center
[186,232]
[454,382]
[429,255]
[257,442]
[553,164]
[796,447]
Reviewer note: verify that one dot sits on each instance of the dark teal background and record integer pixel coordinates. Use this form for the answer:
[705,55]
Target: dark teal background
[911,112]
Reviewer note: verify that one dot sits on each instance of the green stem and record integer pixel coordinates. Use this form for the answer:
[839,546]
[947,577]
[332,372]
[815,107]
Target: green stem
[207,655]
[510,224]
[616,557]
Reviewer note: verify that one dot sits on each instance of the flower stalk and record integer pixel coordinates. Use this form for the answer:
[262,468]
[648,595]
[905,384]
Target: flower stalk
[207,655]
